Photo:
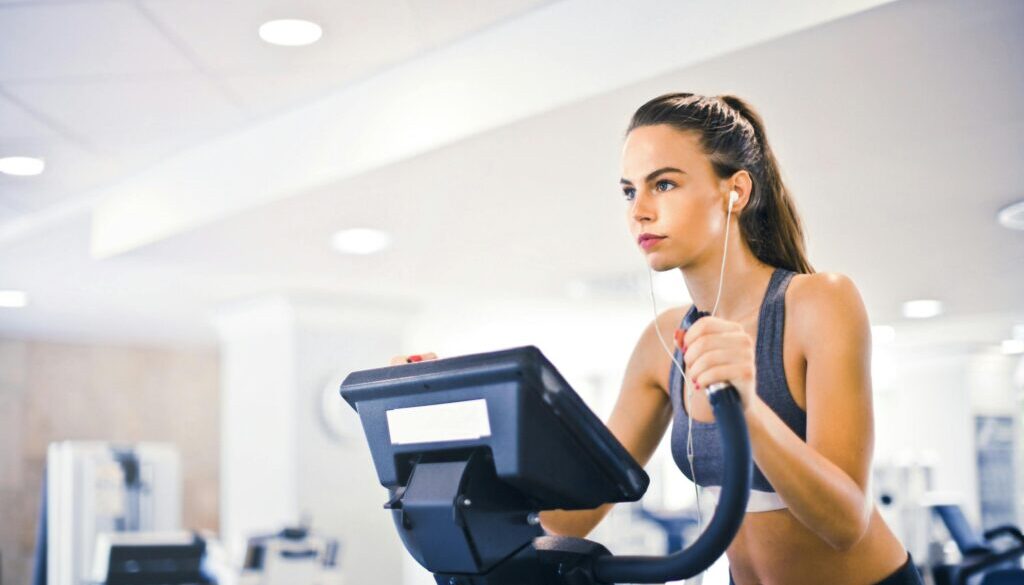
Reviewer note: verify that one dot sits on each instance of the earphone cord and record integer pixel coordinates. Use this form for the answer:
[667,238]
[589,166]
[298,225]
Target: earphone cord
[679,367]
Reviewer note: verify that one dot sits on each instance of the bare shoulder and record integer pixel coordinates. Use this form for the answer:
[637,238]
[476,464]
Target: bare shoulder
[667,322]
[824,304]
[650,360]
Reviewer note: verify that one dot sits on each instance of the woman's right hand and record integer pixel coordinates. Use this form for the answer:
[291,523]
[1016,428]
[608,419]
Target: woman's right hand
[399,360]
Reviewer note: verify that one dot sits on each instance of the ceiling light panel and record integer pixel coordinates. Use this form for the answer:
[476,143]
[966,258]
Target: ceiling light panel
[361,241]
[922,309]
[290,32]
[13,299]
[1013,346]
[22,166]
[1012,216]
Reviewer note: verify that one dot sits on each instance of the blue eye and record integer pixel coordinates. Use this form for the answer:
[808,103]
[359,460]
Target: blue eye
[630,193]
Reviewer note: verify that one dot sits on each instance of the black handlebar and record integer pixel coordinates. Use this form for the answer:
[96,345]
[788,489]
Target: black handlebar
[1008,530]
[732,505]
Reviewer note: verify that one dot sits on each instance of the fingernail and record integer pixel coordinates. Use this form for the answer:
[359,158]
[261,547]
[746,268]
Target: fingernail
[415,358]
[678,337]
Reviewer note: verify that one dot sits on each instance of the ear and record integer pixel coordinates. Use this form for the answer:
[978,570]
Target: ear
[743,185]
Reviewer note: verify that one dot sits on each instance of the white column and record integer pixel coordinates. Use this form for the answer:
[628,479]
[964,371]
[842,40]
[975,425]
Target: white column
[280,462]
[258,423]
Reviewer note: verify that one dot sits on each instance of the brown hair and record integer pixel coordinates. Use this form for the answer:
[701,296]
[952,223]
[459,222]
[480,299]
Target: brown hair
[732,136]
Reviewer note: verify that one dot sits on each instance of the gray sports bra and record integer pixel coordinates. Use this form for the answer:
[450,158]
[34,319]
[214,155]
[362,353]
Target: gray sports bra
[771,387]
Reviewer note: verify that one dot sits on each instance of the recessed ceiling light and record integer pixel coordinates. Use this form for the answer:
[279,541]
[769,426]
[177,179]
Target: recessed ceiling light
[290,32]
[360,241]
[14,299]
[1012,216]
[22,166]
[922,309]
[1013,346]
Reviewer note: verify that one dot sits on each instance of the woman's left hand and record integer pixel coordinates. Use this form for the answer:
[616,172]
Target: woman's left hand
[716,350]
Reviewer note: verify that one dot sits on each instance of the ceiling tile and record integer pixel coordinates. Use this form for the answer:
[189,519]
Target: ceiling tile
[138,116]
[443,21]
[82,40]
[223,33]
[70,172]
[268,93]
[42,2]
[15,122]
[359,38]
[8,213]
[274,88]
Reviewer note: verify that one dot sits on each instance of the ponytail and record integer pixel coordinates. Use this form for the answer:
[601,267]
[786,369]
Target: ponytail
[732,136]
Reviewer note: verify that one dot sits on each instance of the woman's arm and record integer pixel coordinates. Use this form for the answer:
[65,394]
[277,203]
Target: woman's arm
[639,419]
[825,480]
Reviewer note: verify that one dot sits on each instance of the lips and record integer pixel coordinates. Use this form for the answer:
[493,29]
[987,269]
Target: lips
[645,237]
[646,241]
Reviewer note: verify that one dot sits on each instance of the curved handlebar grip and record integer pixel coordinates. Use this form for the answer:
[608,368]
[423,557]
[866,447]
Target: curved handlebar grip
[732,506]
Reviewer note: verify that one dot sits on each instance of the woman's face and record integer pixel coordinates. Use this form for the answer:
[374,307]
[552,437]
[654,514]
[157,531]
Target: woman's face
[671,191]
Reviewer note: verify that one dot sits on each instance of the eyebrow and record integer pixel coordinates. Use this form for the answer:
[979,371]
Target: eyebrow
[654,174]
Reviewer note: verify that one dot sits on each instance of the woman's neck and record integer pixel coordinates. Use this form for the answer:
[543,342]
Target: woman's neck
[743,288]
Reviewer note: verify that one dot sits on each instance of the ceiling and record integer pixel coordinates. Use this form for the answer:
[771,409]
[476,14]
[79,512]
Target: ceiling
[102,88]
[897,129]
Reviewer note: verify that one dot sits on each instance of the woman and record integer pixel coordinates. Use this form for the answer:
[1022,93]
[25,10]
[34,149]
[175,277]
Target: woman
[696,169]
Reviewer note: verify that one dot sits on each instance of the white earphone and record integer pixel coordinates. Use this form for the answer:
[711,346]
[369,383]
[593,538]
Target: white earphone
[733,198]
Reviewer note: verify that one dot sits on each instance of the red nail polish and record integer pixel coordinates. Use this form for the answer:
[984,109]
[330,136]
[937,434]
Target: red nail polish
[415,358]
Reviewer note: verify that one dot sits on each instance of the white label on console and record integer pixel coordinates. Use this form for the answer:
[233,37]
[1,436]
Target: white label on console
[453,421]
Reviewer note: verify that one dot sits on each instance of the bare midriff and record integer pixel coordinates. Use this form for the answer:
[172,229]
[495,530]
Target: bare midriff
[774,548]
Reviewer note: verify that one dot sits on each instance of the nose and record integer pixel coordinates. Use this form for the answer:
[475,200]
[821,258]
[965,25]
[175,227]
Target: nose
[642,209]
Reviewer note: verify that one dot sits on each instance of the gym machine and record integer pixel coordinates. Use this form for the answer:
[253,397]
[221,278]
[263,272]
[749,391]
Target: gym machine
[473,448]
